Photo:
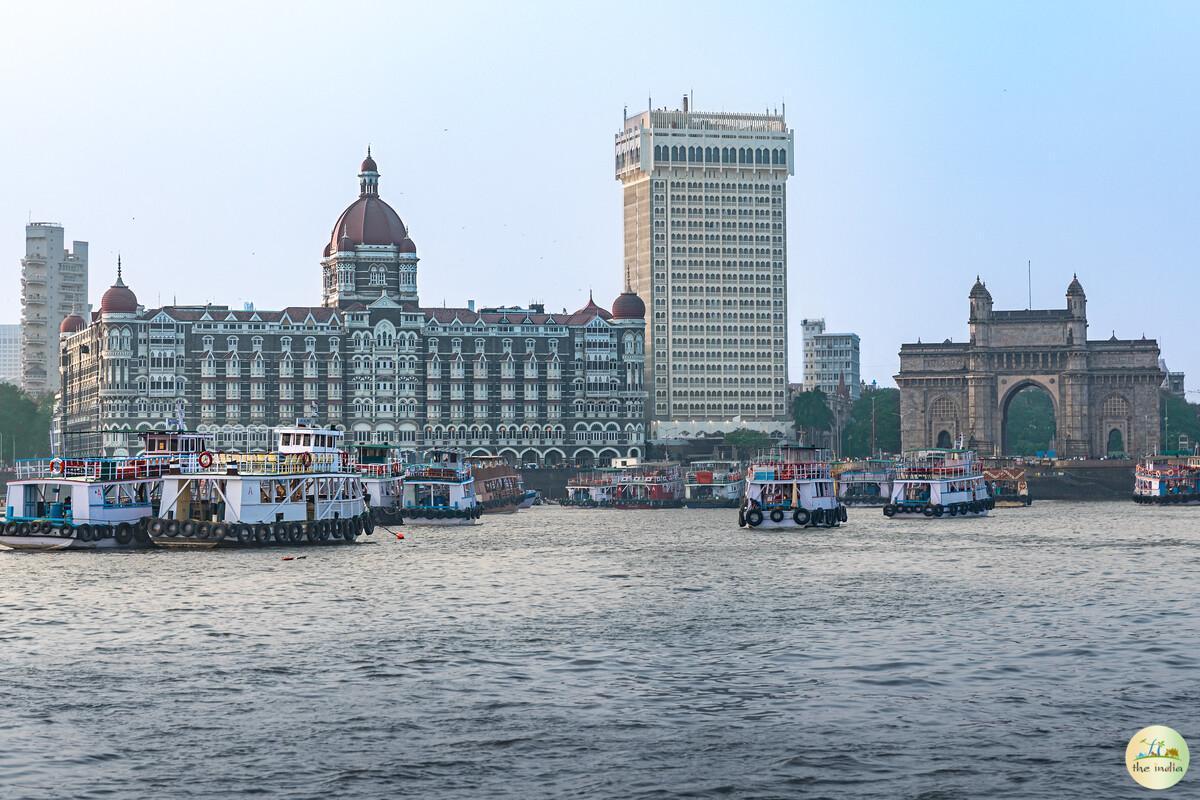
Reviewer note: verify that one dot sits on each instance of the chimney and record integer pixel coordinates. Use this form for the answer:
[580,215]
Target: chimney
[685,104]
[470,305]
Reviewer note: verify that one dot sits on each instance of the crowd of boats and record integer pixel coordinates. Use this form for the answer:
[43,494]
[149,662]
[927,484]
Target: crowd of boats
[309,490]
[312,490]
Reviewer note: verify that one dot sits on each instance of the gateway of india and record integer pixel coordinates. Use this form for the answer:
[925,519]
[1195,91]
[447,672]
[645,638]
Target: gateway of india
[1105,393]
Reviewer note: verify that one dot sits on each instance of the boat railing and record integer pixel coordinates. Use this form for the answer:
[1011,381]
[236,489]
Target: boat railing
[926,472]
[703,477]
[795,471]
[431,472]
[118,468]
[304,463]
[390,469]
[856,476]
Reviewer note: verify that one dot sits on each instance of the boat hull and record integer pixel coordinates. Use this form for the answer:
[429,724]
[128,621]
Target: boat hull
[919,514]
[1166,500]
[43,543]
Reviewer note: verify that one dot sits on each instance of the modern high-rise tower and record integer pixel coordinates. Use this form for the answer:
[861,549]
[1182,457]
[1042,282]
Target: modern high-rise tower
[705,197]
[54,284]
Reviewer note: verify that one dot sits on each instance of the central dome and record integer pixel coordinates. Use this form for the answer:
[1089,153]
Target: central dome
[369,220]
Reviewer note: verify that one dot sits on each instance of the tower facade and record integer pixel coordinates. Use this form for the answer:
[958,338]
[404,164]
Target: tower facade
[54,283]
[705,201]
[369,253]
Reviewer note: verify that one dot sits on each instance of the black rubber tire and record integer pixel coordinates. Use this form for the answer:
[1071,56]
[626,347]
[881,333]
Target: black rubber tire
[245,534]
[221,530]
[295,533]
[85,533]
[741,517]
[754,517]
[927,510]
[44,527]
[158,526]
[349,531]
[187,528]
[311,534]
[843,514]
[279,532]
[889,510]
[173,527]
[953,509]
[25,529]
[204,530]
[124,533]
[777,515]
[801,517]
[262,534]
[939,510]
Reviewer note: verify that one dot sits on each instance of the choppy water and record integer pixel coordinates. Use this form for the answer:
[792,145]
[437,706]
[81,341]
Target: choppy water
[575,653]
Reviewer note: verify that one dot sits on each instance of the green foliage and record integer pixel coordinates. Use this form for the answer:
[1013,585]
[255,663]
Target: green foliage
[1029,427]
[810,412]
[24,423]
[856,432]
[1180,416]
[747,442]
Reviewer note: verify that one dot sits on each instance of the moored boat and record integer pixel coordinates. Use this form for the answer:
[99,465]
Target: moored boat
[441,490]
[498,485]
[383,469]
[1006,482]
[92,503]
[938,484]
[713,484]
[864,482]
[1167,480]
[628,484]
[306,492]
[791,487]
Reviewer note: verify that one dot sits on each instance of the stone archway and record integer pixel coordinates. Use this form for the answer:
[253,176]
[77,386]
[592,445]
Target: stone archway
[1022,399]
[1116,443]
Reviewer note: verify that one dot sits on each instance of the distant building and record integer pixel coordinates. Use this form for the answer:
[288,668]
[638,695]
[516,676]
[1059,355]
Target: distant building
[10,354]
[54,284]
[705,200]
[831,360]
[534,387]
[1174,382]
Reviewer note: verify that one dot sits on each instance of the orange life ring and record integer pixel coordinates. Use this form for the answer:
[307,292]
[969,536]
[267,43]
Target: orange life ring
[56,466]
[205,459]
[306,459]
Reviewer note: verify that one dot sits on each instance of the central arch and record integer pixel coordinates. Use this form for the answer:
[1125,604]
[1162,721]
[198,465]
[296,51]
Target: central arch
[1028,420]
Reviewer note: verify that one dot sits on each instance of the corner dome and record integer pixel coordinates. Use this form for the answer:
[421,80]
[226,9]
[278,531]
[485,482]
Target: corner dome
[72,323]
[980,289]
[592,310]
[119,299]
[628,306]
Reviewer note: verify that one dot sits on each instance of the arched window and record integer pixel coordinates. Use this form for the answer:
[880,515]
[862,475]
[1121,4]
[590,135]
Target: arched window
[1116,407]
[1116,443]
[943,408]
[783,156]
[943,440]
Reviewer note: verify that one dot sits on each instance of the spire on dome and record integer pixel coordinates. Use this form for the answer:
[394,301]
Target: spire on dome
[368,176]
[119,283]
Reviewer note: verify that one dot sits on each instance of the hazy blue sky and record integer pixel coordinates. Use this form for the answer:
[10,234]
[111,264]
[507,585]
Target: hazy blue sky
[215,144]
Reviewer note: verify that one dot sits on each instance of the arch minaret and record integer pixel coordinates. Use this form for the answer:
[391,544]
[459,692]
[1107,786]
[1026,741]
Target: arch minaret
[369,251]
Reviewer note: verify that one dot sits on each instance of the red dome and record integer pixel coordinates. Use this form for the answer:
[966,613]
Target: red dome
[408,246]
[368,164]
[119,299]
[628,306]
[368,220]
[72,323]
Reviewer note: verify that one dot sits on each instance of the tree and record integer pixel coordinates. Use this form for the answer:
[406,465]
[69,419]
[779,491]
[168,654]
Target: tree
[747,442]
[884,404]
[1029,426]
[24,423]
[810,412]
[1179,417]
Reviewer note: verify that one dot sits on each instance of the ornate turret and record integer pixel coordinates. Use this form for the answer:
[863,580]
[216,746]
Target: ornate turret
[1077,306]
[981,312]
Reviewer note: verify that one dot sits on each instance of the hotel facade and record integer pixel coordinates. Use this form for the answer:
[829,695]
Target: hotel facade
[535,387]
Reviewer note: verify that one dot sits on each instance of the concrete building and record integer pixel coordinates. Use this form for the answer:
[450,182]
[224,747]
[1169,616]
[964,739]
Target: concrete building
[54,283]
[705,200]
[534,386]
[10,354]
[1175,382]
[1105,393]
[831,360]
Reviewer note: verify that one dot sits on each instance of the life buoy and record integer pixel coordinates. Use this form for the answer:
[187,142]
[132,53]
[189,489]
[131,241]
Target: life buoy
[754,517]
[777,515]
[205,460]
[124,533]
[801,517]
[889,510]
[56,466]
[306,459]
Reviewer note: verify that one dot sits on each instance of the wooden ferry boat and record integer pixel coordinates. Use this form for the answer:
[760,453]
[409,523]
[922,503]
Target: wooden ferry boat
[306,492]
[1007,483]
[628,484]
[498,484]
[1167,480]
[714,484]
[92,503]
[937,484]
[865,482]
[791,487]
[441,490]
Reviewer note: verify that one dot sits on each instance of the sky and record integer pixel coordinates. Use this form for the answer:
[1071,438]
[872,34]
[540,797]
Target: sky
[214,145]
